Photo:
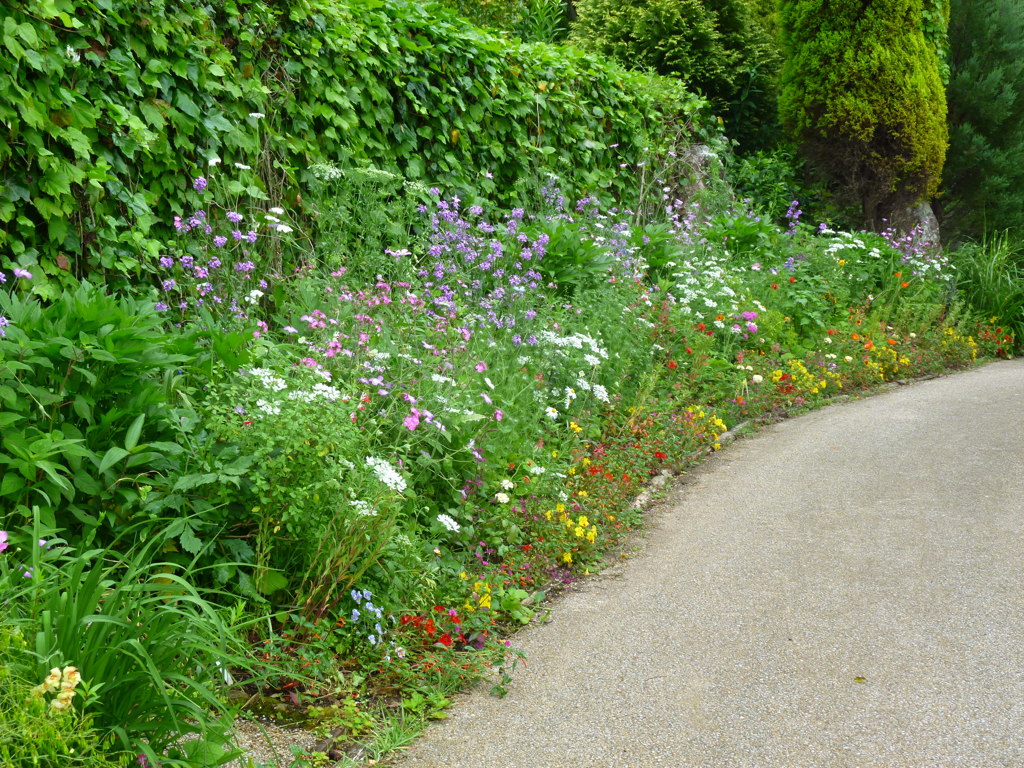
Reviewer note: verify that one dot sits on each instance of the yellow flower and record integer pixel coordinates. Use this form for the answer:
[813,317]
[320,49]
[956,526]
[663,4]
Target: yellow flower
[485,601]
[586,462]
[559,507]
[567,557]
[578,532]
[591,535]
[575,427]
[548,514]
[583,521]
[554,454]
[572,470]
[463,576]
[581,493]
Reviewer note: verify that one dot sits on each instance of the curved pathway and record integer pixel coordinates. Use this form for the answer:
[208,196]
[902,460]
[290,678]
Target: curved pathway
[845,589]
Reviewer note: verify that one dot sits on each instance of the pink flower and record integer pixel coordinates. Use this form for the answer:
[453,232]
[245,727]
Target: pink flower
[412,420]
[481,367]
[486,397]
[498,415]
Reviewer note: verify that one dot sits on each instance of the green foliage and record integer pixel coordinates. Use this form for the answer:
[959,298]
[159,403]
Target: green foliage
[147,688]
[984,178]
[720,49]
[85,389]
[110,109]
[990,276]
[862,94]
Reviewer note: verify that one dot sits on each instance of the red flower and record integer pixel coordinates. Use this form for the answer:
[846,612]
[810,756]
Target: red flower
[792,279]
[445,640]
[429,627]
[672,365]
[775,286]
[660,455]
[689,351]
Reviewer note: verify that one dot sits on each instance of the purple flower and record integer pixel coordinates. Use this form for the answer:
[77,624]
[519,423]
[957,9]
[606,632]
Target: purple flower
[19,272]
[199,184]
[160,307]
[4,541]
[219,241]
[412,420]
[166,262]
[250,236]
[237,234]
[498,415]
[168,285]
[234,216]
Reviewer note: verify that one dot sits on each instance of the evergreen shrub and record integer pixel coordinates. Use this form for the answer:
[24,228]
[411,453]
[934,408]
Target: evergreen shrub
[984,180]
[861,91]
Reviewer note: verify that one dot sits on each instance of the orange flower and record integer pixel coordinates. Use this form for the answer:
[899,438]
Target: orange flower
[856,337]
[869,345]
[904,285]
[892,341]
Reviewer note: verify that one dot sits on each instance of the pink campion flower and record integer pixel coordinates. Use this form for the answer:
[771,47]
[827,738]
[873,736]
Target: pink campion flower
[412,420]
[19,272]
[487,398]
[481,367]
[4,542]
[498,415]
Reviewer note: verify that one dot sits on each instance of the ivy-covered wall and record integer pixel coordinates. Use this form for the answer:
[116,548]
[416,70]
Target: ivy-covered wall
[109,107]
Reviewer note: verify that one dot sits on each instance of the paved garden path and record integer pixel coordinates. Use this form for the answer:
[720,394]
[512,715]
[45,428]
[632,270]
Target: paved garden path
[843,589]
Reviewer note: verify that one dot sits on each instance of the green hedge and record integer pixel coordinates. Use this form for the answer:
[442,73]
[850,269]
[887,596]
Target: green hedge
[109,107]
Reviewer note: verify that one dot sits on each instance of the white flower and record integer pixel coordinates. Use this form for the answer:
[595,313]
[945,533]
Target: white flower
[848,359]
[570,395]
[552,413]
[257,115]
[536,469]
[243,167]
[213,161]
[72,54]
[386,474]
[254,296]
[268,408]
[283,228]
[501,498]
[448,522]
[601,393]
[487,381]
[363,509]
[507,484]
[591,360]
[757,378]
[278,211]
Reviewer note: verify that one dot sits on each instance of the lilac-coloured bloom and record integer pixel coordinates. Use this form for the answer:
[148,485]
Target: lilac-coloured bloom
[166,262]
[487,398]
[160,307]
[251,236]
[498,415]
[355,615]
[357,595]
[481,367]
[168,285]
[751,328]
[219,241]
[4,541]
[234,216]
[412,420]
[236,234]
[19,272]
[199,184]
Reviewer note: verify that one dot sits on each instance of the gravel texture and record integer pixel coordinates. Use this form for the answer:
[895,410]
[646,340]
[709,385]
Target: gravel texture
[845,589]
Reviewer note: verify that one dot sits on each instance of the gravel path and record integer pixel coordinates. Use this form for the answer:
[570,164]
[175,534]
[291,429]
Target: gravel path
[845,589]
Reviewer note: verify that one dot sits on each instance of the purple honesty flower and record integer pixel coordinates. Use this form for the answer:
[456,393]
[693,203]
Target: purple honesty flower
[19,272]
[199,184]
[412,420]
